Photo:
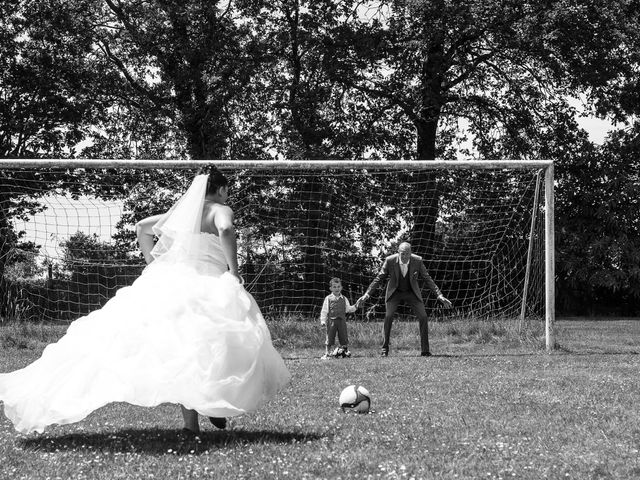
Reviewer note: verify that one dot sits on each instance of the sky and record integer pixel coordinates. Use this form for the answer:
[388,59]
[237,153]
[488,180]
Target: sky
[65,216]
[596,128]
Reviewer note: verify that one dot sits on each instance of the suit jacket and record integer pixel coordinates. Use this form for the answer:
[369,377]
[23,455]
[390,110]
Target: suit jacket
[391,270]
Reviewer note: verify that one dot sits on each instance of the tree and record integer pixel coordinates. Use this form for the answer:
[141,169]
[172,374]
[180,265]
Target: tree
[23,262]
[503,66]
[598,231]
[53,85]
[95,269]
[190,58]
[302,79]
[314,118]
[18,200]
[19,266]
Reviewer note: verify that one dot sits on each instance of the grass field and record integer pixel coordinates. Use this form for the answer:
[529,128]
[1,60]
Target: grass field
[490,403]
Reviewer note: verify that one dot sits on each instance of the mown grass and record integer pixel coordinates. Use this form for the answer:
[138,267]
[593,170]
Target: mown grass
[490,403]
[295,333]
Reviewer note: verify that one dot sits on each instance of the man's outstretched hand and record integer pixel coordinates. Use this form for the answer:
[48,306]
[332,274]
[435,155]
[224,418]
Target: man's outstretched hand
[444,301]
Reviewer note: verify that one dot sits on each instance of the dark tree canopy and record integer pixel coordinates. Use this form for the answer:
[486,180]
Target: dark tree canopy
[305,79]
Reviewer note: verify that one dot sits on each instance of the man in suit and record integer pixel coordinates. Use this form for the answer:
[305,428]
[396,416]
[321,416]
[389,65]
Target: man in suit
[402,270]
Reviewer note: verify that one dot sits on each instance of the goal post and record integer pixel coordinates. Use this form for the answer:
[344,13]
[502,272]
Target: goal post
[549,252]
[483,227]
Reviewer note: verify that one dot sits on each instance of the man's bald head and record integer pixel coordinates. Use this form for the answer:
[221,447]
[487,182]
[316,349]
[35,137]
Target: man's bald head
[404,249]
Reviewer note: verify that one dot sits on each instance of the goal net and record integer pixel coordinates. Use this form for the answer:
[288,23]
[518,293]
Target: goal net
[67,239]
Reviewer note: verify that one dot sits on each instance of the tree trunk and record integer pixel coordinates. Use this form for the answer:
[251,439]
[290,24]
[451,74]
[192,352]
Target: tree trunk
[315,230]
[202,120]
[425,198]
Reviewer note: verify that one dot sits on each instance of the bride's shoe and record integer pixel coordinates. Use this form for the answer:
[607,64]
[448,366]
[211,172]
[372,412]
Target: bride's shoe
[219,422]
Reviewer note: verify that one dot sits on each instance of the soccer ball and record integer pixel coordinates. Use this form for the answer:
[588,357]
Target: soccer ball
[355,399]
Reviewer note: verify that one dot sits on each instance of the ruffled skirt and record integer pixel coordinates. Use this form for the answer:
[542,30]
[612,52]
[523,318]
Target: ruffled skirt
[174,336]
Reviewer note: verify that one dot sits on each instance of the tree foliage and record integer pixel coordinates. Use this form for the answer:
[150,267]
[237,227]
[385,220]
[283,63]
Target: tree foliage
[342,79]
[598,258]
[46,108]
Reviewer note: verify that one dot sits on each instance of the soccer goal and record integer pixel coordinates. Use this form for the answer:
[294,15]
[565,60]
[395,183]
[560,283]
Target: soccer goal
[483,228]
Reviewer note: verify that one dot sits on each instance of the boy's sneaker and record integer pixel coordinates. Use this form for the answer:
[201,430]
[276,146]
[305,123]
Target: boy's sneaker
[346,353]
[325,357]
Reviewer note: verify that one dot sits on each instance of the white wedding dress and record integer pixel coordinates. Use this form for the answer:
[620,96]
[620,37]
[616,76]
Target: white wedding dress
[185,332]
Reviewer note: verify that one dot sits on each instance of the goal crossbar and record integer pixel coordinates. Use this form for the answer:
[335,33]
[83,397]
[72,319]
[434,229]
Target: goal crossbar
[281,165]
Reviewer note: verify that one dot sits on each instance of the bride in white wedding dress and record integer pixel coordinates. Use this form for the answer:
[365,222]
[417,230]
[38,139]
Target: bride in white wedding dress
[185,332]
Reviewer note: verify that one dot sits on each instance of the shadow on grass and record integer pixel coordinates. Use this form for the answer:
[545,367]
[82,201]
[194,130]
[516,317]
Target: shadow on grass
[577,352]
[162,441]
[410,354]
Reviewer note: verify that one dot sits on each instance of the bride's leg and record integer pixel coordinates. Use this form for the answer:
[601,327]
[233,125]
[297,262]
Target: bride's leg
[190,419]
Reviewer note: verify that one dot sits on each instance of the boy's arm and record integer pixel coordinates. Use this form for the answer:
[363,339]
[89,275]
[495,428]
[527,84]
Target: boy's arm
[325,311]
[349,308]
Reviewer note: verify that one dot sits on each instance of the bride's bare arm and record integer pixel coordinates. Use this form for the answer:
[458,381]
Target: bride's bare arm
[144,232]
[223,220]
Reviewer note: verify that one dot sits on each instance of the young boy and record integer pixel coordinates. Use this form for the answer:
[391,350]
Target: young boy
[334,316]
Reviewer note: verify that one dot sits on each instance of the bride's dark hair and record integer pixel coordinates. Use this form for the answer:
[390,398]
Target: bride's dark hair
[216,180]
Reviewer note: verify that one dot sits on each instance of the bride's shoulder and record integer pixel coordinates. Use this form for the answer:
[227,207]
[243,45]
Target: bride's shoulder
[218,208]
[216,212]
